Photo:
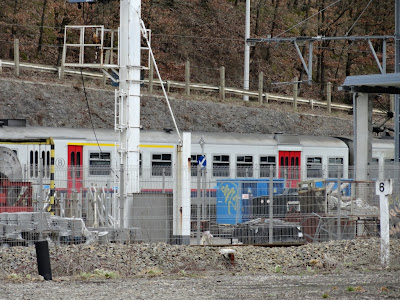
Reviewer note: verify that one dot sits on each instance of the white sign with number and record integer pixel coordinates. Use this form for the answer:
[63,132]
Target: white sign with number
[384,187]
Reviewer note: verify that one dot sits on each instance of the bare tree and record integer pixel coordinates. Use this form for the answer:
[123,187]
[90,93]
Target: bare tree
[39,48]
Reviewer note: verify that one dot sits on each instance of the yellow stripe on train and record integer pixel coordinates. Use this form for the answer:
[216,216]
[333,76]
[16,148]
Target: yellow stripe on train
[112,145]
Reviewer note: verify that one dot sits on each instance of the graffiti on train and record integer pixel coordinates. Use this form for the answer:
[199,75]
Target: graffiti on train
[230,193]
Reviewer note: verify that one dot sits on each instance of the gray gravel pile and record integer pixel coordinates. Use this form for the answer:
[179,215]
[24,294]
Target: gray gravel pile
[156,259]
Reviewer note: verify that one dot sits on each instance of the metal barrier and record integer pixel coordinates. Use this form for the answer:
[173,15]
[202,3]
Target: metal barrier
[231,210]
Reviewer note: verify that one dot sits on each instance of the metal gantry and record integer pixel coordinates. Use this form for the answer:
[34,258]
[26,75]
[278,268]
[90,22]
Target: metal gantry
[301,40]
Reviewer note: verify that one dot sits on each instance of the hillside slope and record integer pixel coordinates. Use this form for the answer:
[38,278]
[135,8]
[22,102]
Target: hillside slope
[64,105]
[210,34]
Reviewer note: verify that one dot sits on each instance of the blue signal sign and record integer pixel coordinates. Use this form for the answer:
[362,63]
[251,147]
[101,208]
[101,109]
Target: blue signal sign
[202,162]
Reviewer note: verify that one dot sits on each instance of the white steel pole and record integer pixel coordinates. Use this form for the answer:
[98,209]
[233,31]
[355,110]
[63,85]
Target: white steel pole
[129,89]
[181,201]
[246,51]
[397,70]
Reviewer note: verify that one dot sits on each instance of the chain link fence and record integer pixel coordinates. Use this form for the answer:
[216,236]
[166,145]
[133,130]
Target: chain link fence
[227,206]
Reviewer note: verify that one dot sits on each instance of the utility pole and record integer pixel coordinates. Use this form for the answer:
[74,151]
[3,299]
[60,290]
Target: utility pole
[247,51]
[397,70]
[129,100]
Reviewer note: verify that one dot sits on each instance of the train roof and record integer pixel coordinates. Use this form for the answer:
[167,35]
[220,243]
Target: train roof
[383,143]
[321,142]
[58,133]
[146,136]
[163,136]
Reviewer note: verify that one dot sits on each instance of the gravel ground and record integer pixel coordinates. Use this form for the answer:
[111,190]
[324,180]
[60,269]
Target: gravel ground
[337,269]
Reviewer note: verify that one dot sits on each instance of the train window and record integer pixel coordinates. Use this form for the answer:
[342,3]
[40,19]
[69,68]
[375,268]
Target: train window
[314,167]
[79,164]
[161,163]
[221,165]
[335,164]
[36,164]
[48,160]
[100,163]
[267,162]
[244,166]
[140,164]
[31,163]
[72,171]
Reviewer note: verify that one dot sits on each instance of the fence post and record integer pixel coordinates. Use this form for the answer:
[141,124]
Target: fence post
[260,87]
[1,67]
[295,91]
[391,101]
[329,96]
[151,70]
[339,203]
[222,83]
[271,206]
[163,180]
[187,78]
[106,62]
[121,196]
[198,204]
[62,67]
[16,57]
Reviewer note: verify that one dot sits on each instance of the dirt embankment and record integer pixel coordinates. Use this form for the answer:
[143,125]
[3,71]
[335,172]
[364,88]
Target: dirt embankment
[64,105]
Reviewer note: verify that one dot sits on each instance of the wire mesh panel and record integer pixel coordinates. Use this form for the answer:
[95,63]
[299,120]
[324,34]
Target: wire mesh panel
[88,207]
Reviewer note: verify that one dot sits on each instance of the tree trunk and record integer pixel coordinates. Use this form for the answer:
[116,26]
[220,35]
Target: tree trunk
[273,25]
[60,32]
[39,48]
[320,53]
[13,27]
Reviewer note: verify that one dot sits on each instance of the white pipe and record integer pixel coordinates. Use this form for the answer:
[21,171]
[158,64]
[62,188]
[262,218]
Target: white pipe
[246,51]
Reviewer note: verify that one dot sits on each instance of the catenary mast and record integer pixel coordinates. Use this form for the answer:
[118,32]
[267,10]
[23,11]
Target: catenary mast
[129,100]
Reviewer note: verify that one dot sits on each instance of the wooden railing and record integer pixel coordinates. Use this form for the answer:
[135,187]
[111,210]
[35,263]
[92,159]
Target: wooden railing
[187,86]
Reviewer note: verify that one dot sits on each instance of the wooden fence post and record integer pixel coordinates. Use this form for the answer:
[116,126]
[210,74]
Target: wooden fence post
[295,91]
[260,87]
[106,62]
[222,83]
[151,70]
[16,57]
[329,96]
[1,67]
[392,103]
[187,78]
[62,67]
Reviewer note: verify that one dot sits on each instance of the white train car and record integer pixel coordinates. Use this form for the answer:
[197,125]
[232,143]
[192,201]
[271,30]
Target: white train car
[86,157]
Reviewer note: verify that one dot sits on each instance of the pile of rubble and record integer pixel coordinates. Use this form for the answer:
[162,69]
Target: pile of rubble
[140,259]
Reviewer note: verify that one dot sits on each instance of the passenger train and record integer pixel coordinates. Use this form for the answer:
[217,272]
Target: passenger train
[83,157]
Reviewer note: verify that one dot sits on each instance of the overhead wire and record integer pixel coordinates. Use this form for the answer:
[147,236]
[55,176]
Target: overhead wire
[91,120]
[365,8]
[318,12]
[90,113]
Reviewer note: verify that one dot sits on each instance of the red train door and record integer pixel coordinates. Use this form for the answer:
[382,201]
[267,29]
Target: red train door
[75,171]
[289,166]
